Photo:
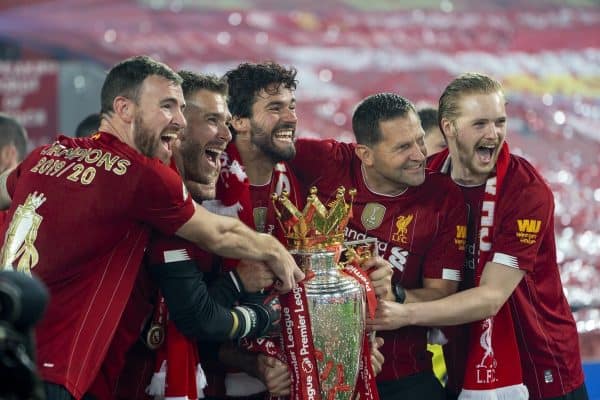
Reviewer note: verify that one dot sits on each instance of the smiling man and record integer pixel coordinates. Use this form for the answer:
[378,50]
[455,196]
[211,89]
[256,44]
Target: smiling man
[415,215]
[516,300]
[263,106]
[114,187]
[262,103]
[207,134]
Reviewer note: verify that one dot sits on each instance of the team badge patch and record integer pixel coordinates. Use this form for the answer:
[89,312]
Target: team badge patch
[372,215]
[402,223]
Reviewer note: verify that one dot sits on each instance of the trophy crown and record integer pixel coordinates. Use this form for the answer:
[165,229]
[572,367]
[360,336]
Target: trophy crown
[317,226]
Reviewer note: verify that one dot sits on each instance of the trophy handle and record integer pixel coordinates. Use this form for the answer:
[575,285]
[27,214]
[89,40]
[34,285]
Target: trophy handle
[369,244]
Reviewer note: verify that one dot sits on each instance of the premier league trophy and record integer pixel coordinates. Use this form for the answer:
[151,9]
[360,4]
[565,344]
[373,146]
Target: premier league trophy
[323,319]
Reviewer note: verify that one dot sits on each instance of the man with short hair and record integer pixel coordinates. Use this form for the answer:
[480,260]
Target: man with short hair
[261,99]
[187,309]
[13,142]
[88,126]
[434,140]
[523,330]
[415,216]
[116,188]
[263,106]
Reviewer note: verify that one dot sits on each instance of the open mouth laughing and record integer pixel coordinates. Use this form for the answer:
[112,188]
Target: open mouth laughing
[213,155]
[486,152]
[168,138]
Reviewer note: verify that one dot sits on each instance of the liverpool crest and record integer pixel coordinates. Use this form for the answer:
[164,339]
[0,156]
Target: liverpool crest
[402,223]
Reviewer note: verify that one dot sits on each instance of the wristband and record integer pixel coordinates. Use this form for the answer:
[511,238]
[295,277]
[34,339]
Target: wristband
[399,293]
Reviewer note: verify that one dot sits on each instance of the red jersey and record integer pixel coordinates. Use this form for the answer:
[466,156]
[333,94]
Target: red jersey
[113,381]
[421,232]
[545,328]
[139,362]
[524,238]
[80,218]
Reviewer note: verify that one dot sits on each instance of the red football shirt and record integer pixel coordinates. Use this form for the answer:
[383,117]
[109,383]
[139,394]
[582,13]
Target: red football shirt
[524,238]
[545,328]
[421,232]
[80,217]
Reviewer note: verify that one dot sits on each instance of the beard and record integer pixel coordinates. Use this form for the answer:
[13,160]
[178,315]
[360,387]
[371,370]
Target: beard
[266,142]
[467,156]
[144,140]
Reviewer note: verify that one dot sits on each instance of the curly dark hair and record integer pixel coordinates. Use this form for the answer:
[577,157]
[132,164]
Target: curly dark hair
[248,79]
[126,78]
[374,109]
[192,82]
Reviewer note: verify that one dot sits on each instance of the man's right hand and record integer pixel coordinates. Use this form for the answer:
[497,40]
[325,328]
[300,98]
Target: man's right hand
[285,268]
[229,237]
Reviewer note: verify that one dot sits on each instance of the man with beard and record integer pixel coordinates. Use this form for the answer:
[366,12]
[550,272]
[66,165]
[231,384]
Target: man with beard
[262,102]
[263,107]
[398,203]
[516,301]
[193,310]
[109,185]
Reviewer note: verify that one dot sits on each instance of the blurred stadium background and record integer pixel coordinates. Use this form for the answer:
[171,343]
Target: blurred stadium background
[54,54]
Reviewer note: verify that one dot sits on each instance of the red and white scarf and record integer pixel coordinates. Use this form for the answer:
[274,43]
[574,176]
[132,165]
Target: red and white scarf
[493,369]
[180,375]
[233,191]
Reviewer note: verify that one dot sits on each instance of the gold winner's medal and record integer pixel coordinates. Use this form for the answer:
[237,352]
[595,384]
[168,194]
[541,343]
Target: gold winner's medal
[155,336]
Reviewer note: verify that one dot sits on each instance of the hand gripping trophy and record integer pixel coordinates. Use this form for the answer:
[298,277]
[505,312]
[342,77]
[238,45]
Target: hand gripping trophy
[323,319]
